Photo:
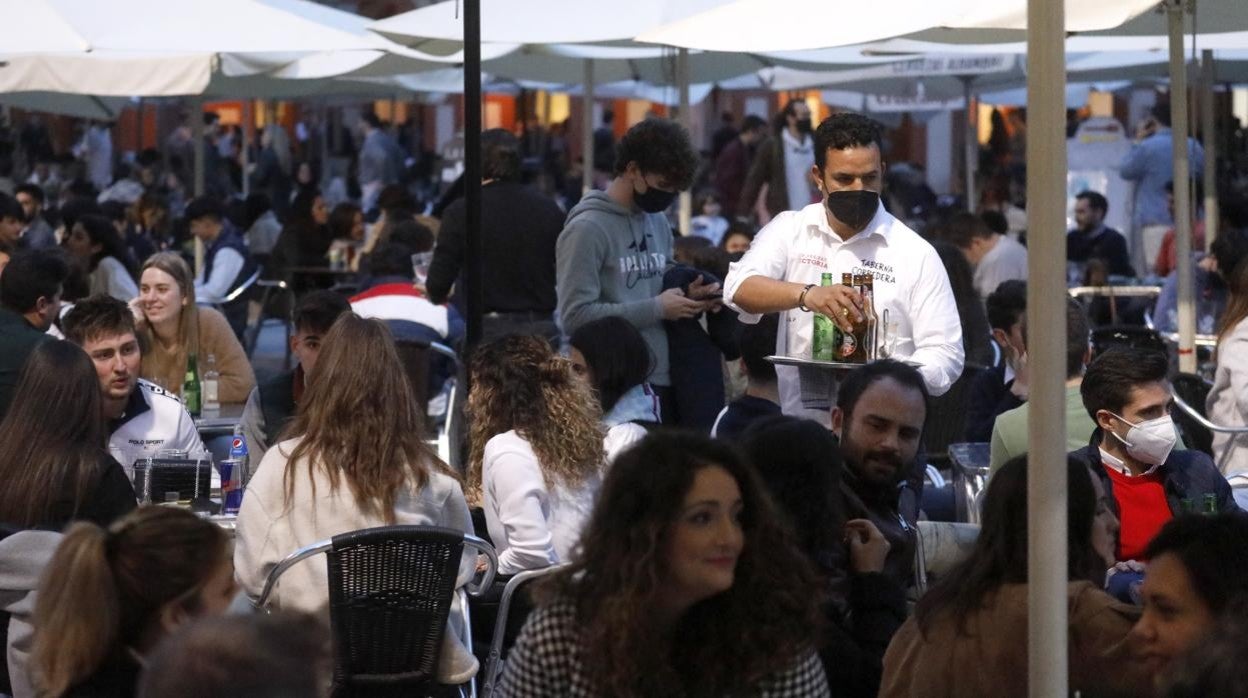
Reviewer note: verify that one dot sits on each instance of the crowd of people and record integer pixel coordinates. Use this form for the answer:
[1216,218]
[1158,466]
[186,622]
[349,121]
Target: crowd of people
[711,523]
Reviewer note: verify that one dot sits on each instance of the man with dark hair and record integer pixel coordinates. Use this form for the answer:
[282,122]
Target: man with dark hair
[879,416]
[1092,239]
[849,232]
[30,299]
[762,395]
[271,405]
[783,164]
[379,161]
[519,230]
[142,418]
[38,232]
[995,257]
[604,143]
[1133,450]
[617,244]
[733,162]
[1009,431]
[994,390]
[227,262]
[1150,164]
[392,297]
[12,221]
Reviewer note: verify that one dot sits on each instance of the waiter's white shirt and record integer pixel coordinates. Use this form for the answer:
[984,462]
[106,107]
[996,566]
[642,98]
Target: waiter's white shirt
[910,281]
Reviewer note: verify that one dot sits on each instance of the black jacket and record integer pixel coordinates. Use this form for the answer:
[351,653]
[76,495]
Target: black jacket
[853,647]
[990,396]
[698,385]
[17,340]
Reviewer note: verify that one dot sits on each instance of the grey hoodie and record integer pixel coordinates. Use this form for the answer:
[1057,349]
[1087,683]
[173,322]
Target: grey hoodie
[610,260]
[23,555]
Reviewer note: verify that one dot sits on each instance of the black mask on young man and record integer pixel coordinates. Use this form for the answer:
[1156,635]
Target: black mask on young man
[654,200]
[853,207]
[804,126]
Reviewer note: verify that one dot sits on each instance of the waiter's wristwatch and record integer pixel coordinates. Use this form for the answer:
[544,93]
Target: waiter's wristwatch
[801,300]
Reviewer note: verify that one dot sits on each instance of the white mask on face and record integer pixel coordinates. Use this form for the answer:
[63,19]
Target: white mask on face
[1151,441]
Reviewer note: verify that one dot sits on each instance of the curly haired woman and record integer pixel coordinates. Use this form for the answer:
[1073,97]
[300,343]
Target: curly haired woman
[536,451]
[686,584]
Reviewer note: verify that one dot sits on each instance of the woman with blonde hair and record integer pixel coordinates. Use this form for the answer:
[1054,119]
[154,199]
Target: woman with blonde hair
[536,451]
[353,458]
[109,595]
[173,329]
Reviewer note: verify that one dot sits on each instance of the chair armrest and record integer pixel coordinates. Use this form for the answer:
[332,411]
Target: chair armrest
[1202,421]
[471,541]
[289,561]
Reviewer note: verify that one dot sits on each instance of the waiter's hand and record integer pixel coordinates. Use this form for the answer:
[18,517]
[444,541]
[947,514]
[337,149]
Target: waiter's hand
[840,303]
[677,307]
[700,290]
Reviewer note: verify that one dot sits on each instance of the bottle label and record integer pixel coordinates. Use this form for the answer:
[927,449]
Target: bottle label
[847,346]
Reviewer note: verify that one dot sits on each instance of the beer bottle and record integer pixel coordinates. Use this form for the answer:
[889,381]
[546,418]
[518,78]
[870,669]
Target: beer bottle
[190,386]
[868,309]
[851,347]
[823,340]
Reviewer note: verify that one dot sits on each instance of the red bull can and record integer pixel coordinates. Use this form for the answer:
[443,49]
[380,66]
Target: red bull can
[231,485]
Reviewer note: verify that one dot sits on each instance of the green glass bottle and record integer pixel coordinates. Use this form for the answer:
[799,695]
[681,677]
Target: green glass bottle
[1211,504]
[823,340]
[190,386]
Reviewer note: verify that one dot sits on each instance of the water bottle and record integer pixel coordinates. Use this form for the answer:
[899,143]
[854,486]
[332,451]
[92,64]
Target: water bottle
[209,386]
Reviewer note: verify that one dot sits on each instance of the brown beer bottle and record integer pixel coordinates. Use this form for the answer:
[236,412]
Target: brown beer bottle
[873,319]
[852,348]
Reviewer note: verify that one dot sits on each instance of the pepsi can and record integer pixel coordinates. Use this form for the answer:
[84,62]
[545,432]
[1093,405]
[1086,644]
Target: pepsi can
[231,485]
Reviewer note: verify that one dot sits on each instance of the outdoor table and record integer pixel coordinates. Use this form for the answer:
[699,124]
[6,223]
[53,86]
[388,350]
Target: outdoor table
[970,477]
[219,422]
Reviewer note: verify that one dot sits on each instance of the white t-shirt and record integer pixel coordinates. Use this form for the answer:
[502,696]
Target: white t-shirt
[532,525]
[153,421]
[910,283]
[111,278]
[799,157]
[1006,261]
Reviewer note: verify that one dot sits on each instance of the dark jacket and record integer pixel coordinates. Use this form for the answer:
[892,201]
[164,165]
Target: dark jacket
[519,230]
[853,648]
[17,340]
[1187,477]
[894,514]
[990,396]
[731,168]
[278,402]
[698,385]
[230,239]
[767,168]
[1105,244]
[111,497]
[117,677]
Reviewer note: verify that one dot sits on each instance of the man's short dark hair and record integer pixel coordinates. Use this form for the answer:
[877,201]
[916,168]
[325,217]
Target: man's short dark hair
[608,116]
[1007,305]
[31,275]
[500,155]
[371,119]
[757,342]
[9,208]
[1230,248]
[1078,337]
[97,317]
[394,197]
[1095,199]
[659,147]
[752,122]
[34,191]
[1113,375]
[391,259]
[414,235]
[845,130]
[1161,112]
[790,107]
[114,211]
[996,222]
[316,311]
[211,117]
[964,227]
[204,207]
[858,380]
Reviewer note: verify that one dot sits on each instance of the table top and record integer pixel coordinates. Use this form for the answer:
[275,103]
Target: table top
[225,418]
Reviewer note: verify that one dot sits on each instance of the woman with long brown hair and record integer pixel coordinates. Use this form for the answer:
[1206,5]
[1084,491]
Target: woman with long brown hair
[173,329]
[1227,404]
[353,458]
[536,451]
[109,595]
[686,584]
[53,461]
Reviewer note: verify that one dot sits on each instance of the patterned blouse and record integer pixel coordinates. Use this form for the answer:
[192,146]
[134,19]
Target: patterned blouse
[544,663]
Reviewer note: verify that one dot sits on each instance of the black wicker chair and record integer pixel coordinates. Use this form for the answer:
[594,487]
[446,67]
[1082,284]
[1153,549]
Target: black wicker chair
[390,591]
[513,608]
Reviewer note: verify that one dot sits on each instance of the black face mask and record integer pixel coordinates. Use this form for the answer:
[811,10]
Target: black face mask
[854,208]
[654,200]
[804,126]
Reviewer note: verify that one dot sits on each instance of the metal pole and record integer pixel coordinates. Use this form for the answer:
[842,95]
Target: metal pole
[197,135]
[972,139]
[248,133]
[1210,128]
[474,276]
[686,120]
[587,128]
[1182,194]
[1046,350]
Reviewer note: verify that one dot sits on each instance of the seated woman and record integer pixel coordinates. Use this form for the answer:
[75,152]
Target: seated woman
[97,245]
[53,461]
[352,459]
[1197,570]
[801,465]
[109,595]
[612,355]
[968,635]
[536,451]
[686,583]
[1228,399]
[172,328]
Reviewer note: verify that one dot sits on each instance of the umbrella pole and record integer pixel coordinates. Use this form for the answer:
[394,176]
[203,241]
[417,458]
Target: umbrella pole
[972,140]
[246,149]
[474,276]
[1182,193]
[587,128]
[197,134]
[686,120]
[1210,128]
[1046,351]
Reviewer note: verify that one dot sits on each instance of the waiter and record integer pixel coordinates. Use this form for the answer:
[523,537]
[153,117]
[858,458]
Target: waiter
[847,232]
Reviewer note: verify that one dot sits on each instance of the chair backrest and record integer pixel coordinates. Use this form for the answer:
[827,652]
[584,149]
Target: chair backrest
[1134,336]
[1193,390]
[941,545]
[946,418]
[240,291]
[389,595]
[514,607]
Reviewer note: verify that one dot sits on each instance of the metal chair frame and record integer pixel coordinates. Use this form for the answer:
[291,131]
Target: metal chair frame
[494,663]
[471,589]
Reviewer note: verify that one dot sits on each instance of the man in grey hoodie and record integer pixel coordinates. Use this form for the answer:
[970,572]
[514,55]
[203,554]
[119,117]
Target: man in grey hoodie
[617,243]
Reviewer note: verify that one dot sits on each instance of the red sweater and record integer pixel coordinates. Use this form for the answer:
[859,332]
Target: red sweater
[1142,510]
